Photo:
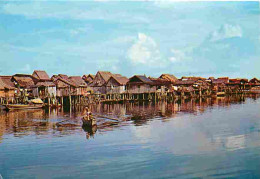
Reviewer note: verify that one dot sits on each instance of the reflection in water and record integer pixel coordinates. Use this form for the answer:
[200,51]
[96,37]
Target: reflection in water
[191,138]
[90,131]
[109,116]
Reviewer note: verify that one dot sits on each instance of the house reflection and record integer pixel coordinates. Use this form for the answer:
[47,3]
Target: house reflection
[109,116]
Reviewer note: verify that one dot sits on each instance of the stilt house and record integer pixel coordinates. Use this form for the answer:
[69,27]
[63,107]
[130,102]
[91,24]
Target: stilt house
[7,89]
[99,82]
[88,78]
[140,84]
[44,87]
[116,84]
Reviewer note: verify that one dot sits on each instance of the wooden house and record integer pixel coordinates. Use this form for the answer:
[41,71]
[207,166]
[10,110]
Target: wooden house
[169,77]
[41,75]
[184,83]
[162,84]
[99,82]
[24,84]
[140,84]
[44,89]
[44,86]
[88,78]
[81,85]
[116,84]
[7,89]
[219,84]
[254,82]
[64,87]
[192,78]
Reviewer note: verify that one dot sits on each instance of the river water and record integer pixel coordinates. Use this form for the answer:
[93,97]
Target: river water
[203,138]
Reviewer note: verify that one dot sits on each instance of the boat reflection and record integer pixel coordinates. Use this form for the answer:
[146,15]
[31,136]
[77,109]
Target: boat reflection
[90,131]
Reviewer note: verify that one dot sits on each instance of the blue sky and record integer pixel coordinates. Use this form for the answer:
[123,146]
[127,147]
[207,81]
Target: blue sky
[182,38]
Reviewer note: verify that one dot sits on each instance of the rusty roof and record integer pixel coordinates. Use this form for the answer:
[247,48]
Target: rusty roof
[41,75]
[6,83]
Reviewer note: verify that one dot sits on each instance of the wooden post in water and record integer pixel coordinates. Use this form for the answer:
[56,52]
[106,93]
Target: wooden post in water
[70,100]
[48,101]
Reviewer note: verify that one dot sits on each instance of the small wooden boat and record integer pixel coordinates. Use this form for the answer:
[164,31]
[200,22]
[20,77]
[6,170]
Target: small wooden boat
[220,93]
[33,104]
[23,106]
[89,121]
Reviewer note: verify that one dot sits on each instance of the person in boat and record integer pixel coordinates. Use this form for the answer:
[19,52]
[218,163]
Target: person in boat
[87,114]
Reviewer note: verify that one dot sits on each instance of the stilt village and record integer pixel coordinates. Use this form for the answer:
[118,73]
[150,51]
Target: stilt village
[104,86]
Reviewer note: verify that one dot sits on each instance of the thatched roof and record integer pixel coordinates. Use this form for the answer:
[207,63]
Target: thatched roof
[105,75]
[45,84]
[89,75]
[185,82]
[23,80]
[41,75]
[68,82]
[160,81]
[78,81]
[169,77]
[66,77]
[121,80]
[6,83]
[254,80]
[195,78]
[220,81]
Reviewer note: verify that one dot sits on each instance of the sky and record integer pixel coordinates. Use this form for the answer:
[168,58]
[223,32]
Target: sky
[155,37]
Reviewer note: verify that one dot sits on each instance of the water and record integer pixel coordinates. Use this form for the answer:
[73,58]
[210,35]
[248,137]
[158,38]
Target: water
[211,138]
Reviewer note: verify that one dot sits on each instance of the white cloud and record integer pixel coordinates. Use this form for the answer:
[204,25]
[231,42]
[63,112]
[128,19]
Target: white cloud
[144,51]
[226,31]
[179,56]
